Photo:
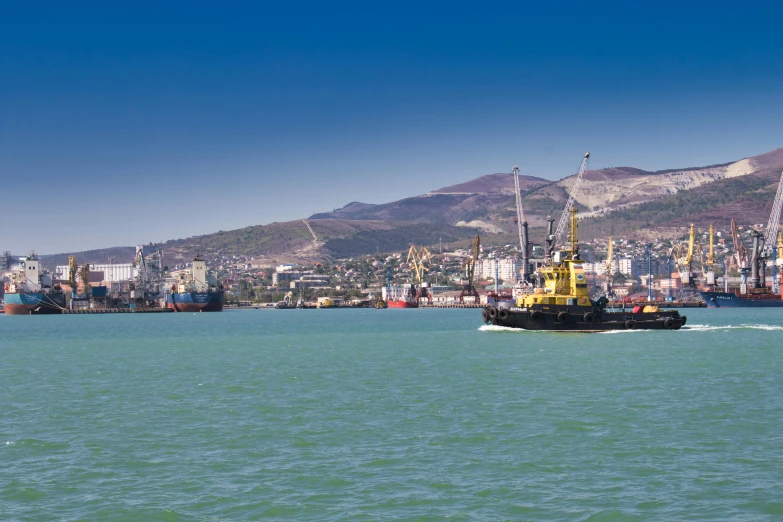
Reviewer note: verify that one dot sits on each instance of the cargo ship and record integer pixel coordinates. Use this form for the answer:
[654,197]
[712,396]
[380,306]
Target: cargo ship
[31,290]
[196,291]
[563,304]
[739,300]
[401,296]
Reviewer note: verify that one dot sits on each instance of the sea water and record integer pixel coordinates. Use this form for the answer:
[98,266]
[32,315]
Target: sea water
[388,414]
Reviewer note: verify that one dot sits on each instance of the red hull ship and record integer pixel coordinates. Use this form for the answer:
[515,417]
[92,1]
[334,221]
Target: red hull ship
[403,304]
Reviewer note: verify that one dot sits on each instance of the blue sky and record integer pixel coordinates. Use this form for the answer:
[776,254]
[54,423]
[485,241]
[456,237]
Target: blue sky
[136,123]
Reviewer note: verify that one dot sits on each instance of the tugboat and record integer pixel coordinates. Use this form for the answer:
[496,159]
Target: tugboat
[31,290]
[563,304]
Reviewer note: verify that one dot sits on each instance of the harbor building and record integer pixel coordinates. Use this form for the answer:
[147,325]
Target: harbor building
[110,273]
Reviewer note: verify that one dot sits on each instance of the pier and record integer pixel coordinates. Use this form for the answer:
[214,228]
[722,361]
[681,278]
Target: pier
[117,310]
[452,305]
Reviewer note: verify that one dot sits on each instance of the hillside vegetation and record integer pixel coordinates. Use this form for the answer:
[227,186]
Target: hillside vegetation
[615,201]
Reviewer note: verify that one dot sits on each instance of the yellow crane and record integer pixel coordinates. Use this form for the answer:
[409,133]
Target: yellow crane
[415,261]
[84,275]
[780,245]
[73,268]
[470,269]
[686,262]
[709,266]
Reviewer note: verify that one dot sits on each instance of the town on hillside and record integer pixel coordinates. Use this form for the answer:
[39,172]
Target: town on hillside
[623,269]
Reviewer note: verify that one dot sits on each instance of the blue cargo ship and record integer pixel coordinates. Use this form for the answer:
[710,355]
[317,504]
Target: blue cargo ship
[196,291]
[31,292]
[196,301]
[34,303]
[731,300]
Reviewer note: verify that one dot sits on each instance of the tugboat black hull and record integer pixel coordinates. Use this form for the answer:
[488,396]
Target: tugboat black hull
[571,321]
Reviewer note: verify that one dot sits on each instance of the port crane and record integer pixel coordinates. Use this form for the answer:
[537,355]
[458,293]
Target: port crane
[84,275]
[709,265]
[741,255]
[564,218]
[522,230]
[608,266]
[685,260]
[669,258]
[73,270]
[778,264]
[764,246]
[415,260]
[470,271]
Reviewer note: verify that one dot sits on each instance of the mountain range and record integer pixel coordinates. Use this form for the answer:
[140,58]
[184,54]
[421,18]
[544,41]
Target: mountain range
[614,200]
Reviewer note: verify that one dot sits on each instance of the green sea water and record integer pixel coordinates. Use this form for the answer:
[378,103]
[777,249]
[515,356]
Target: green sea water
[388,415]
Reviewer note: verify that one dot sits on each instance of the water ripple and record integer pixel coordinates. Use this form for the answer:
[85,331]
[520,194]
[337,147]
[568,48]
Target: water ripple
[415,414]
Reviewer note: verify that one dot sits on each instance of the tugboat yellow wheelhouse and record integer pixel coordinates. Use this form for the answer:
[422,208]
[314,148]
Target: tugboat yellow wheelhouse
[563,303]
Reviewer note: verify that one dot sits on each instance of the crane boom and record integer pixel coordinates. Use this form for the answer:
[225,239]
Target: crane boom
[575,186]
[689,255]
[771,232]
[413,255]
[740,249]
[520,212]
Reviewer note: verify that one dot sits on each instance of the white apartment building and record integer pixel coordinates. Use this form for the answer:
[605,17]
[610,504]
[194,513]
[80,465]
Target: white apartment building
[508,269]
[627,266]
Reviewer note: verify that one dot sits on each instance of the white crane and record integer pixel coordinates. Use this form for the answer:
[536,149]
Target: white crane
[522,229]
[771,232]
[520,212]
[575,186]
[770,235]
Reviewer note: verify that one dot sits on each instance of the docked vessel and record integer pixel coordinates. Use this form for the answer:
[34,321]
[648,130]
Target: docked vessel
[196,291]
[402,304]
[401,296]
[31,290]
[739,300]
[563,303]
